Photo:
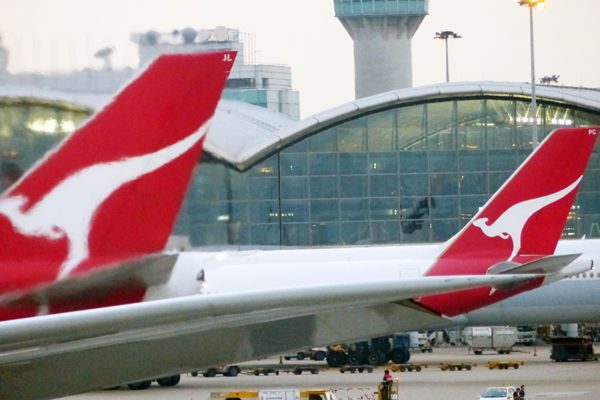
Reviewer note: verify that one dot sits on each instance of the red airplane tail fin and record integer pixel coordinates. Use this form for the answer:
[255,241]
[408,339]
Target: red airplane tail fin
[521,223]
[112,189]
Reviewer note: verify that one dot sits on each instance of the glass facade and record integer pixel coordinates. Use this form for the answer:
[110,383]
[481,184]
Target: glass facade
[409,174]
[413,173]
[28,129]
[350,8]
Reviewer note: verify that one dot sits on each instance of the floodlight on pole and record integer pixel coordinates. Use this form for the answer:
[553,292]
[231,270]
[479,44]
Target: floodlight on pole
[445,35]
[532,4]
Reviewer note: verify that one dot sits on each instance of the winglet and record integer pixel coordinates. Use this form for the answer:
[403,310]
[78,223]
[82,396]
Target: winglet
[522,222]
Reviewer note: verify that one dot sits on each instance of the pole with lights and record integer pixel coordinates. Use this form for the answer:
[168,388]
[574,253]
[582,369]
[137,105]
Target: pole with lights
[445,35]
[532,4]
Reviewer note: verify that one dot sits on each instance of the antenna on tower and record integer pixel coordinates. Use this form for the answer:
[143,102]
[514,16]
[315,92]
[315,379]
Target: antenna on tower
[105,54]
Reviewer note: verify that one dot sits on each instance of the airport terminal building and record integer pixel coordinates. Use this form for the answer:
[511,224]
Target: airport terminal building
[406,166]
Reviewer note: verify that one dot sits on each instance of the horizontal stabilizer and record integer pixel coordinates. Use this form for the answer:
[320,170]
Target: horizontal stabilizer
[139,273]
[552,267]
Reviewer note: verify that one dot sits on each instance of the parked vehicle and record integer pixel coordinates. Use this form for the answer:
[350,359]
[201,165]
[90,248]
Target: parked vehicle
[315,353]
[526,335]
[498,393]
[572,348]
[376,351]
[228,370]
[495,338]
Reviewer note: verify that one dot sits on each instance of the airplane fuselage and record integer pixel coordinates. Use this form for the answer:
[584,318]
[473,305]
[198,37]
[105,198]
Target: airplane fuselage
[576,299]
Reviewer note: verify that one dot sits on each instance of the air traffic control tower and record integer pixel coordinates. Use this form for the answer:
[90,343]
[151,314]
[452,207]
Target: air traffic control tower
[382,31]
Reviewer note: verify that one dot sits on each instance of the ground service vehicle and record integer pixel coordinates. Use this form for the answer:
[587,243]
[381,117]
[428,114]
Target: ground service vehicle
[496,338]
[526,335]
[316,353]
[572,348]
[376,351]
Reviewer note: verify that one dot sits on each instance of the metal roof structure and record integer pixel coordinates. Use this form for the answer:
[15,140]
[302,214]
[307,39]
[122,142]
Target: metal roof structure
[243,134]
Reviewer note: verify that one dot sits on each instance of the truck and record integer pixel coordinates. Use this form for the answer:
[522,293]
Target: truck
[495,338]
[526,335]
[578,348]
[375,351]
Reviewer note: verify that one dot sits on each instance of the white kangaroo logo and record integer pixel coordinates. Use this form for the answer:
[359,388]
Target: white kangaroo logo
[513,220]
[69,208]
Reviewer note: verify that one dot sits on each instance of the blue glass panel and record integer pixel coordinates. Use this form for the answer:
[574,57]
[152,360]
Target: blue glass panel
[470,123]
[413,161]
[387,208]
[264,234]
[325,233]
[208,234]
[263,188]
[381,134]
[383,163]
[500,124]
[293,164]
[444,207]
[295,234]
[324,187]
[352,136]
[502,160]
[410,128]
[497,179]
[522,155]
[294,187]
[469,206]
[385,232]
[354,163]
[355,233]
[299,147]
[443,161]
[323,163]
[442,230]
[443,184]
[323,142]
[353,209]
[384,185]
[472,160]
[588,203]
[238,211]
[591,181]
[353,186]
[263,211]
[414,185]
[294,211]
[324,210]
[473,184]
[239,186]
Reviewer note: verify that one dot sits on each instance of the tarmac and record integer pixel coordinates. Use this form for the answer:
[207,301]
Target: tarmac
[543,379]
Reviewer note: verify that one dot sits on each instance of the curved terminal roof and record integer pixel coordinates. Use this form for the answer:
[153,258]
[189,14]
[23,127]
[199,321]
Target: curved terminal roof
[243,134]
[588,99]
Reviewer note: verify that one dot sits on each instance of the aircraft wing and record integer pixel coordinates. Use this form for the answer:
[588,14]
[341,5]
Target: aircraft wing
[61,354]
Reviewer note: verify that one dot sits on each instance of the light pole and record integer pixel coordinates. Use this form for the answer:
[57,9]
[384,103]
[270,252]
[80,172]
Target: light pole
[447,35]
[532,4]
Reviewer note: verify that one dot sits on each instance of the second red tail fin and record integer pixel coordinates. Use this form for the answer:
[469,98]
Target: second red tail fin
[521,223]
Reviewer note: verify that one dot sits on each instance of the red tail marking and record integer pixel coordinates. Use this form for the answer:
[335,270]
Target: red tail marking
[522,222]
[166,104]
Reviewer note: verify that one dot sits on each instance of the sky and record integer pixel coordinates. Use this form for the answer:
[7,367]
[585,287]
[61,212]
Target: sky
[60,35]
